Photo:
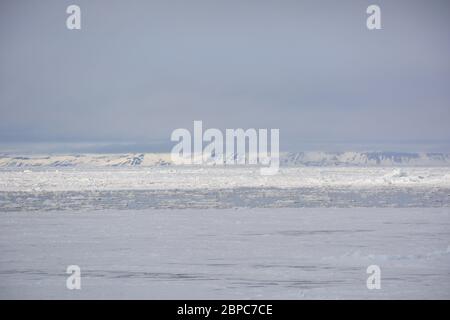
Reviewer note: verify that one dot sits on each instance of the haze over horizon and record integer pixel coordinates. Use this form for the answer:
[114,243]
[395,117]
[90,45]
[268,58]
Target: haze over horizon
[137,70]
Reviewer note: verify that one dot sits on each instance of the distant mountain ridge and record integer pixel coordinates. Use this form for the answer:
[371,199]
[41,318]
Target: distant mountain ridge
[365,159]
[310,158]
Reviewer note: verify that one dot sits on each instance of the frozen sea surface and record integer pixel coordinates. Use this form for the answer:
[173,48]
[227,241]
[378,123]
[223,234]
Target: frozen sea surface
[43,189]
[293,253]
[225,232]
[43,179]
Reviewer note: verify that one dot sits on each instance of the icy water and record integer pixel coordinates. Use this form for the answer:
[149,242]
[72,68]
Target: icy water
[225,198]
[294,253]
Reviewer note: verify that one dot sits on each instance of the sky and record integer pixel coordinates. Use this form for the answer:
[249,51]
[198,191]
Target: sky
[137,70]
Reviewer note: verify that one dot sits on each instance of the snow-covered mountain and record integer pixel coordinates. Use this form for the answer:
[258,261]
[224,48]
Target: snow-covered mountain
[286,159]
[86,160]
[364,159]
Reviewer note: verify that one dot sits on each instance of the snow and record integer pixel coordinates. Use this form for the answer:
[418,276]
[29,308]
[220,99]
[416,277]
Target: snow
[204,177]
[141,227]
[292,253]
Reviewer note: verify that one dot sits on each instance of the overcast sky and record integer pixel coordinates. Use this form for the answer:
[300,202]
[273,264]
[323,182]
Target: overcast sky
[137,70]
